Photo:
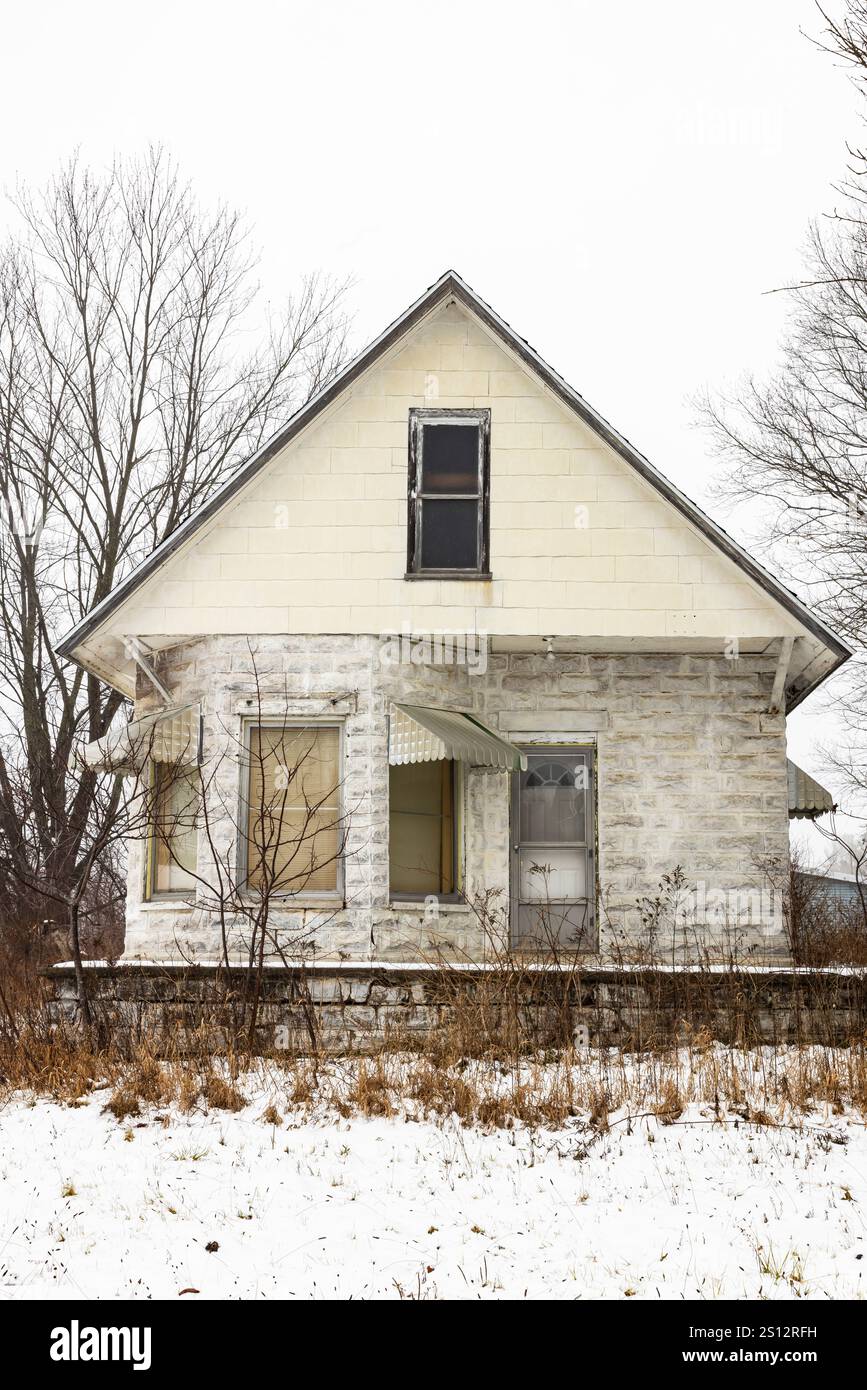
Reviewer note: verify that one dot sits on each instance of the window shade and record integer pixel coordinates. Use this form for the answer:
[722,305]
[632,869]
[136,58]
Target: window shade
[175,837]
[294,831]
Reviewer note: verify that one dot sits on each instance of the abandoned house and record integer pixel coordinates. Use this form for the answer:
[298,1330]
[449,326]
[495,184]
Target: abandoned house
[497,674]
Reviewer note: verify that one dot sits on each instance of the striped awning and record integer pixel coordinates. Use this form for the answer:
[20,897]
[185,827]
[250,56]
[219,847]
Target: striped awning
[807,797]
[418,734]
[169,736]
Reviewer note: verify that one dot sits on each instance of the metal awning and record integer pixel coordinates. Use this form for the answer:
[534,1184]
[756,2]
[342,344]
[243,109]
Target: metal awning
[807,797]
[418,734]
[169,736]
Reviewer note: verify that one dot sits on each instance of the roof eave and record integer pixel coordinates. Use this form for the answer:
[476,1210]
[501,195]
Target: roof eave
[657,480]
[800,696]
[440,290]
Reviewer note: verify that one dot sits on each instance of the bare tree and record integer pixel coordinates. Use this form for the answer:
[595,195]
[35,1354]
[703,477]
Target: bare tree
[797,443]
[127,394]
[126,805]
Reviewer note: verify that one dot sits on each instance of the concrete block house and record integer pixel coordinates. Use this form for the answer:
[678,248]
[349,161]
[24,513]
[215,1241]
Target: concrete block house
[517,662]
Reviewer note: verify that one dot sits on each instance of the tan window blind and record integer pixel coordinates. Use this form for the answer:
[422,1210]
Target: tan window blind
[174,836]
[294,831]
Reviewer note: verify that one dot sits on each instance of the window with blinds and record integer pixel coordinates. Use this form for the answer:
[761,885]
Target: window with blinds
[174,836]
[294,834]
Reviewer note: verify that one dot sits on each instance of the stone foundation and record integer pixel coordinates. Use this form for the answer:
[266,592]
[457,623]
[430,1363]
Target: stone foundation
[358,1007]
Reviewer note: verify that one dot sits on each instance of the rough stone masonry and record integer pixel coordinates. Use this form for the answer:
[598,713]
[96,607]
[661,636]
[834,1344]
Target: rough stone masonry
[691,771]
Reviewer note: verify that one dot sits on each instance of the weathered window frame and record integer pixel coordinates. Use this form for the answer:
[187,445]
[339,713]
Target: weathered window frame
[420,420]
[151,893]
[249,725]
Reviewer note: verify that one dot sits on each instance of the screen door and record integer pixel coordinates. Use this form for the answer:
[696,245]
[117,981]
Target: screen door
[553,876]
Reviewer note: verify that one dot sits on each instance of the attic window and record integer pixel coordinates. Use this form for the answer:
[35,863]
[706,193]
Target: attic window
[449,470]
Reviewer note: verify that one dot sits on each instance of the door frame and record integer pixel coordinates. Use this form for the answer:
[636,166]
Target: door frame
[537,750]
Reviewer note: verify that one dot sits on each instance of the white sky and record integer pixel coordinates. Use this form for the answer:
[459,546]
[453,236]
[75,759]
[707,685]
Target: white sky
[624,183]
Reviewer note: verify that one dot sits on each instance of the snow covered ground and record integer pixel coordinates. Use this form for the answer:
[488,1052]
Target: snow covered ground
[220,1205]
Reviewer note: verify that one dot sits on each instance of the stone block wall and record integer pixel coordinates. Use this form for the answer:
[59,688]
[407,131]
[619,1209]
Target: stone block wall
[358,1007]
[690,771]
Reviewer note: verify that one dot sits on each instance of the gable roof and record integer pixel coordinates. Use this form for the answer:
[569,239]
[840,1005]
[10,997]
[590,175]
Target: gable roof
[450,286]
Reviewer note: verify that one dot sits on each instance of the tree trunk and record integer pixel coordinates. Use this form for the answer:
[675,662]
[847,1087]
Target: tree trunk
[80,978]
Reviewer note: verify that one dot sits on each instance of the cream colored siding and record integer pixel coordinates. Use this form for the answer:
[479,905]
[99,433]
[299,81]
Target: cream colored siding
[580,545]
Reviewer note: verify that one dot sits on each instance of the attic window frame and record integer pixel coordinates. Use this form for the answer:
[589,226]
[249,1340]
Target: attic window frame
[419,420]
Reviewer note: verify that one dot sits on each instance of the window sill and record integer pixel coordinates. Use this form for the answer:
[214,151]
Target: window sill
[541,952]
[484,576]
[419,905]
[299,904]
[277,904]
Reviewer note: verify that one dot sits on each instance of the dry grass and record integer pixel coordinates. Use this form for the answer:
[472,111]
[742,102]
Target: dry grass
[220,1094]
[550,1089]
[492,1056]
[824,931]
[758,1086]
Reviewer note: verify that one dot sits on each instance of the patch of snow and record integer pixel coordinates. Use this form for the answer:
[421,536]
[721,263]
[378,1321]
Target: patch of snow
[381,1208]
[448,967]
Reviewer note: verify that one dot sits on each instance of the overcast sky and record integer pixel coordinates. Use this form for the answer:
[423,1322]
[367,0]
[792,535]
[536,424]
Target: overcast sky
[623,182]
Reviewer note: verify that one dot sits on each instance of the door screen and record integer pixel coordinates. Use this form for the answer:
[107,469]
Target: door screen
[553,880]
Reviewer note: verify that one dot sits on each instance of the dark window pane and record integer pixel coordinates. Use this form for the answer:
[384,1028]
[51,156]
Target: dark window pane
[450,458]
[449,535]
